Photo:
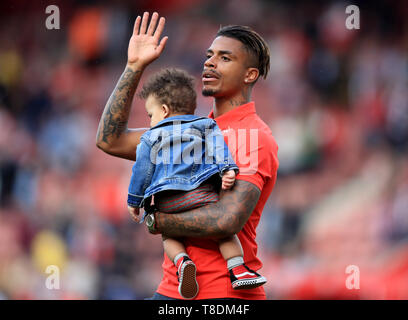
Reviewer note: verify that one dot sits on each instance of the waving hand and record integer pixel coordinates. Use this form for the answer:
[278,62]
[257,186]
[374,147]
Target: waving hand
[145,45]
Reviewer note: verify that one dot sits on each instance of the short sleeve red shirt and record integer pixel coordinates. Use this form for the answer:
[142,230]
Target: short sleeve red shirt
[255,152]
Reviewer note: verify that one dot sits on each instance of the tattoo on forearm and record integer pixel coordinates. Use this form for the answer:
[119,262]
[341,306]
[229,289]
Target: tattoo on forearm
[116,114]
[230,213]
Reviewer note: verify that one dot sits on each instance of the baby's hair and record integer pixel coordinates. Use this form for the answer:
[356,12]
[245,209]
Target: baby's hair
[173,87]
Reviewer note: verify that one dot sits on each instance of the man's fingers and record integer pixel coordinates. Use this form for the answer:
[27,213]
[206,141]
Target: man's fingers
[152,24]
[145,19]
[159,29]
[136,26]
[162,44]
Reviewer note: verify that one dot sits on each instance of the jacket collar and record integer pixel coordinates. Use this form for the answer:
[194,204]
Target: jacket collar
[180,118]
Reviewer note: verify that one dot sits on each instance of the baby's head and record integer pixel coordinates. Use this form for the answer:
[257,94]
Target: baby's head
[168,93]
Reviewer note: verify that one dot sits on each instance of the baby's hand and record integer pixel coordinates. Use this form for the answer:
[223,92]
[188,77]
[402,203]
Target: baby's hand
[134,213]
[228,179]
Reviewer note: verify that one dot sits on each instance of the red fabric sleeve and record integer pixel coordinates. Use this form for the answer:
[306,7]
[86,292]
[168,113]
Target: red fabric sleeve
[262,164]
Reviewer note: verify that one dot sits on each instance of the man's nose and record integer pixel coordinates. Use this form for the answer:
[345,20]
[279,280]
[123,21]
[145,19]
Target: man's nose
[210,63]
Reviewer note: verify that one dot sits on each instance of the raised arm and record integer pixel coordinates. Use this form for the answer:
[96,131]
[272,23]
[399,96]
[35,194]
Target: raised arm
[218,220]
[113,135]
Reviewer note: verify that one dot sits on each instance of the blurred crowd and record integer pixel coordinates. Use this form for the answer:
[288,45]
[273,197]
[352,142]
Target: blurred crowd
[336,101]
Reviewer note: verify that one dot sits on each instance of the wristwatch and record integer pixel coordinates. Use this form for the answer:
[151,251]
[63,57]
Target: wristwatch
[151,223]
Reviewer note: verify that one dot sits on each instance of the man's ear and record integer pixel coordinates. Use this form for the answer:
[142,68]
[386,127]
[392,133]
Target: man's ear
[165,110]
[251,75]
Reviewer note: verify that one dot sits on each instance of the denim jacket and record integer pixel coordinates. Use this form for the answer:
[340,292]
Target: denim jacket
[179,153]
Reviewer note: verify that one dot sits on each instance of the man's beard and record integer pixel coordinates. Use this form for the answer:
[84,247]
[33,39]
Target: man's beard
[209,92]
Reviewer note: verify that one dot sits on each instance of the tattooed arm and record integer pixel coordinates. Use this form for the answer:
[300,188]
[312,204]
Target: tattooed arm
[218,220]
[113,135]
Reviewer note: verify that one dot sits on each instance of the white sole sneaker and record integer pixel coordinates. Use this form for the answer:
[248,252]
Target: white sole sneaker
[249,283]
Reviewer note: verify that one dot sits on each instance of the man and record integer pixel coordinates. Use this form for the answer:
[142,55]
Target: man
[235,60]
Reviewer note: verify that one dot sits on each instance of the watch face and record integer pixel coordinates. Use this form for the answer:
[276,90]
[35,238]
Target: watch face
[149,220]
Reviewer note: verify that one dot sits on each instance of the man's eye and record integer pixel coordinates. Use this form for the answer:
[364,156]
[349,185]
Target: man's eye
[226,59]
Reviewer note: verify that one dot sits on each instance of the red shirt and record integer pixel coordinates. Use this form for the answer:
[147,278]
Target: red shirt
[255,152]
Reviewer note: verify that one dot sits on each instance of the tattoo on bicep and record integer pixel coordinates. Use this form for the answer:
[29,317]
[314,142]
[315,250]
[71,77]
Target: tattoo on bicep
[245,196]
[116,114]
[233,209]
